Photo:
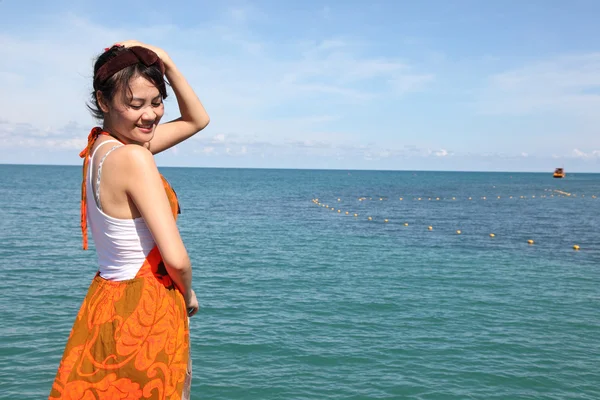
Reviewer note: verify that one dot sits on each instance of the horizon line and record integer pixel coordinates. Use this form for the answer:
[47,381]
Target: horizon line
[316,169]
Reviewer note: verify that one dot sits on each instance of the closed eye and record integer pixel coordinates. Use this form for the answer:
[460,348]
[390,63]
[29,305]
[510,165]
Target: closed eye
[137,107]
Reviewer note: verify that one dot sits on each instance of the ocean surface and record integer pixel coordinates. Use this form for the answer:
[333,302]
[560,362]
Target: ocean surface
[299,301]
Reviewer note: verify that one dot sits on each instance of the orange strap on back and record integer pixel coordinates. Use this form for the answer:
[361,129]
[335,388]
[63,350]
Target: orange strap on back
[97,131]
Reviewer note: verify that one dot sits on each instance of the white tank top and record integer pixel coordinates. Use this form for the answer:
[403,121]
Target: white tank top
[121,244]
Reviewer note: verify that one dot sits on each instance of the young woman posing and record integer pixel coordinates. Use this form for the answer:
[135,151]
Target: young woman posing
[130,339]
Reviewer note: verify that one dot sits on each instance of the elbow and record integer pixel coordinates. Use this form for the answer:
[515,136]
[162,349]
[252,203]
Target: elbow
[203,123]
[178,264]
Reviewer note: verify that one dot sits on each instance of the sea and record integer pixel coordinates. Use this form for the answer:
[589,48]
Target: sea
[336,284]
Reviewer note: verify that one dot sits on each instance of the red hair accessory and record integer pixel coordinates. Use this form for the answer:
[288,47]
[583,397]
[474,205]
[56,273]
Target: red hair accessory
[125,58]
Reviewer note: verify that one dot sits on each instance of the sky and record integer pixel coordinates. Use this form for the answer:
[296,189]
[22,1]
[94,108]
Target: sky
[380,85]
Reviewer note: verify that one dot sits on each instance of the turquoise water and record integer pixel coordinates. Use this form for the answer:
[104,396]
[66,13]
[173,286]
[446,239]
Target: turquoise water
[302,302]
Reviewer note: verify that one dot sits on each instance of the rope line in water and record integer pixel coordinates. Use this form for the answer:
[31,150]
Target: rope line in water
[531,242]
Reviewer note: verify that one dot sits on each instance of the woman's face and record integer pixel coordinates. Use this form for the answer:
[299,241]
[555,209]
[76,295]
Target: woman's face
[135,119]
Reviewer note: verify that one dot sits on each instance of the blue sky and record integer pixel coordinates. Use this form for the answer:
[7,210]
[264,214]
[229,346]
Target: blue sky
[431,85]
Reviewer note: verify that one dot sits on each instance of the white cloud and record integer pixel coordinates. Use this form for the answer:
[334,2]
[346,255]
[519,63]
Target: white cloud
[70,136]
[565,84]
[220,138]
[410,83]
[589,155]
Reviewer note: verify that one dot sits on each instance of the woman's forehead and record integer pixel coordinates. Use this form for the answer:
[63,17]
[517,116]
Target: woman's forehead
[141,88]
[142,85]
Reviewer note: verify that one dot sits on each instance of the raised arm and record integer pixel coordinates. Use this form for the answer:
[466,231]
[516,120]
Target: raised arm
[193,117]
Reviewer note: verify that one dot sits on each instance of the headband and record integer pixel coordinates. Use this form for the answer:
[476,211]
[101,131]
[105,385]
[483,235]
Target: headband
[125,58]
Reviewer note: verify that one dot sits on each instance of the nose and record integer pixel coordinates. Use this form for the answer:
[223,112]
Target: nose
[149,116]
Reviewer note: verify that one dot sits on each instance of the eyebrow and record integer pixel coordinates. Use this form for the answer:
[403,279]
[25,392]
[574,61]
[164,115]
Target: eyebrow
[143,100]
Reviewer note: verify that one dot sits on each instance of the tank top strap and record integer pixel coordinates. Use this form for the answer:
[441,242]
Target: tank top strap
[99,171]
[100,145]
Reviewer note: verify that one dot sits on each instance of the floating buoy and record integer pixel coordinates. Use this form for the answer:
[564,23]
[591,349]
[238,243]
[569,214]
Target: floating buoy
[347,213]
[406,224]
[380,199]
[370,218]
[469,198]
[356,215]
[419,199]
[530,241]
[430,228]
[386,221]
[498,196]
[576,247]
[437,198]
[454,198]
[510,197]
[492,235]
[339,199]
[483,197]
[458,232]
[332,208]
[400,198]
[339,211]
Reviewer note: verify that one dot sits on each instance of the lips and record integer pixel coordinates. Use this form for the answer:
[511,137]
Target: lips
[145,128]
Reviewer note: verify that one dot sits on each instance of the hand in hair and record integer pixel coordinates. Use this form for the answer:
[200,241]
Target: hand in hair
[193,117]
[160,52]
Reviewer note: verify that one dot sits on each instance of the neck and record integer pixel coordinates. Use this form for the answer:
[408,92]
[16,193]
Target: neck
[107,127]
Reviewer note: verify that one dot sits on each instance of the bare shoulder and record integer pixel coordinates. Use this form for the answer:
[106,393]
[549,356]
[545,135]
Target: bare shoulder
[135,159]
[134,169]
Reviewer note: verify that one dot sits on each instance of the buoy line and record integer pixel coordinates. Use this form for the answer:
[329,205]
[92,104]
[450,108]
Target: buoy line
[316,201]
[559,193]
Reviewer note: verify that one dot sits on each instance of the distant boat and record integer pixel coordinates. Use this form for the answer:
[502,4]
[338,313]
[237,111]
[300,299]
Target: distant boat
[559,173]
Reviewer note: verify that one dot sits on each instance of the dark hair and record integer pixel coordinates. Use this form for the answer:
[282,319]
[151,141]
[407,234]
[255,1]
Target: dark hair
[121,79]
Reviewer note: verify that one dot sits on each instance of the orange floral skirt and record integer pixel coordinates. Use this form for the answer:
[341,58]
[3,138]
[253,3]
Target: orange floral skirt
[130,340]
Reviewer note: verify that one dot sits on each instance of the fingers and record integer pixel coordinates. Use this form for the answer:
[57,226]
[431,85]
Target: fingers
[127,43]
[192,311]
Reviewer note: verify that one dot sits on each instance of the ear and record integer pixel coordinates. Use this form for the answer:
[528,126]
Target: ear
[102,102]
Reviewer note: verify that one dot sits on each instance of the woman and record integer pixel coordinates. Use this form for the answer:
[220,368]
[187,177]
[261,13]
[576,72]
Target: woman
[130,339]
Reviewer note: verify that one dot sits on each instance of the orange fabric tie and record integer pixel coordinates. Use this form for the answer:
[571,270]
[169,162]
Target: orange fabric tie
[97,131]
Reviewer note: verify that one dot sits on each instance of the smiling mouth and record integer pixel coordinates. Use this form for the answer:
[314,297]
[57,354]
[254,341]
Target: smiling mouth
[145,126]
